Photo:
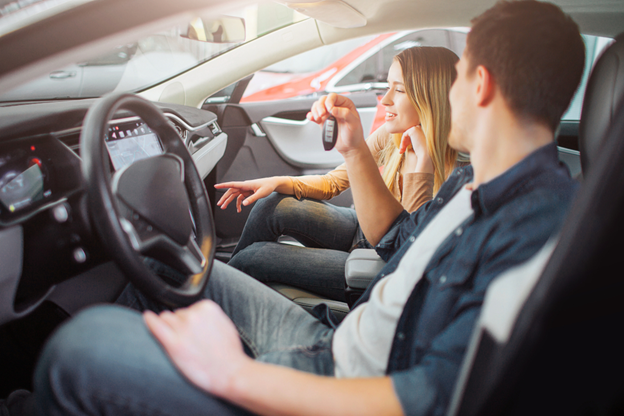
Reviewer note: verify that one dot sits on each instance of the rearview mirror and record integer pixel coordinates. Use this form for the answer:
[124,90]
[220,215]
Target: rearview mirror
[224,29]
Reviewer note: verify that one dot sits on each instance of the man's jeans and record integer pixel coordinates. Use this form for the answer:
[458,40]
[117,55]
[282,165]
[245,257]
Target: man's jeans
[105,361]
[329,233]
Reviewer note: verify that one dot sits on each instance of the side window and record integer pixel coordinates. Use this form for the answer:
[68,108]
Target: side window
[458,41]
[221,96]
[367,71]
[351,65]
[307,73]
[375,68]
[594,45]
[436,37]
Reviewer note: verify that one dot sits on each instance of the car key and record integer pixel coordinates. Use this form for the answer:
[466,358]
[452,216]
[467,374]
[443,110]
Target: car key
[330,133]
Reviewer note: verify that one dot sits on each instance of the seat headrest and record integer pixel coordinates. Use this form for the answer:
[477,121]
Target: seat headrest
[605,89]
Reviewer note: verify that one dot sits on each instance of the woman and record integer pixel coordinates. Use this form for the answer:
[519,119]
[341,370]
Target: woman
[414,159]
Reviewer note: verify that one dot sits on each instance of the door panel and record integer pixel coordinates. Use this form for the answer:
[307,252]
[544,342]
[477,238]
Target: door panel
[298,141]
[271,138]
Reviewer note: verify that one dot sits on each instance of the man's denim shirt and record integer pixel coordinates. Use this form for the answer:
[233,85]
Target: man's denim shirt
[514,215]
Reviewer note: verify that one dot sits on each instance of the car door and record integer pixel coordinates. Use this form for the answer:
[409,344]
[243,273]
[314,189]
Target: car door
[268,139]
[270,136]
[61,83]
[91,78]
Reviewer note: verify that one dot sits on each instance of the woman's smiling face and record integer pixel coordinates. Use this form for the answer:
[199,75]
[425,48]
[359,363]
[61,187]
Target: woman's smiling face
[400,112]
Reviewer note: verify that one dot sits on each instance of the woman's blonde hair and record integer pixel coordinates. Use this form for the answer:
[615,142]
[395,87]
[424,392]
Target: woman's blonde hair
[428,73]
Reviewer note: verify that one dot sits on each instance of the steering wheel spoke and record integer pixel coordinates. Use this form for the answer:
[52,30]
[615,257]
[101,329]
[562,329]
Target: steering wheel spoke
[187,259]
[137,227]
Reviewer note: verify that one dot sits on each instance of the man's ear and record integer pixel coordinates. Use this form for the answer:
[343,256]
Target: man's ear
[485,86]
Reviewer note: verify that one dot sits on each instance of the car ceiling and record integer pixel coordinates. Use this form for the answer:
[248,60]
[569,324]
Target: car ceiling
[94,26]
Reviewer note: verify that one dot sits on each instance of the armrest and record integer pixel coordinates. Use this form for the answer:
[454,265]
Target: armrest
[308,300]
[362,266]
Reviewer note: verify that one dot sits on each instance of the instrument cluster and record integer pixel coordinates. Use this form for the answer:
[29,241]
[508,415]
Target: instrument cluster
[35,173]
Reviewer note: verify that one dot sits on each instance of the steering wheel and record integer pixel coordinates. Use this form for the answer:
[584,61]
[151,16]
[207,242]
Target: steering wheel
[154,209]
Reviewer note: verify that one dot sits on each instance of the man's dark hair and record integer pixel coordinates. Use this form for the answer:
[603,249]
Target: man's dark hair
[535,54]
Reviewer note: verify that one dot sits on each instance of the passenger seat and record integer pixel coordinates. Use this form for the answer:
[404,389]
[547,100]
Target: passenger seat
[548,340]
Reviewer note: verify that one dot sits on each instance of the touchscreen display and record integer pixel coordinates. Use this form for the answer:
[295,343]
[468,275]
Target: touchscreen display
[129,142]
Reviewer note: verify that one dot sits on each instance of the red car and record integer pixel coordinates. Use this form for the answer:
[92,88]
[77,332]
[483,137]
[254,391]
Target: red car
[362,67]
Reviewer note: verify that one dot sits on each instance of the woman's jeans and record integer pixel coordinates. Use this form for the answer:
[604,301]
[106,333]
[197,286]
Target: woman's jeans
[106,362]
[329,233]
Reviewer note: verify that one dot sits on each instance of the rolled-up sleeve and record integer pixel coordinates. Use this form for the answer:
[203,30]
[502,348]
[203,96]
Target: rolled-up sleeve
[321,187]
[417,189]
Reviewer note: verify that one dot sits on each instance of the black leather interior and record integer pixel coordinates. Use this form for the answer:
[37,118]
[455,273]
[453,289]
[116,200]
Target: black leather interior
[605,89]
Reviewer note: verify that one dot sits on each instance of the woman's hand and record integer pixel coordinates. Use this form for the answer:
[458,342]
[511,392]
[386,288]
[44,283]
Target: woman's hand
[248,192]
[350,134]
[415,137]
[202,342]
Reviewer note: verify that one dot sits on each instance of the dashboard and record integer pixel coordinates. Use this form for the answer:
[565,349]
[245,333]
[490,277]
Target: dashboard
[45,231]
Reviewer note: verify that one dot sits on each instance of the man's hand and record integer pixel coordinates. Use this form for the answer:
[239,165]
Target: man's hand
[202,342]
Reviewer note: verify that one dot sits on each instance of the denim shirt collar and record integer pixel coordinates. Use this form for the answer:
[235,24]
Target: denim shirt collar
[489,196]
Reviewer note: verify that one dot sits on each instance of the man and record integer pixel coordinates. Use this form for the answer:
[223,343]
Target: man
[399,350]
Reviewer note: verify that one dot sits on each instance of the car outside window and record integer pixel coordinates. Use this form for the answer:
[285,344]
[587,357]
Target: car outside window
[304,74]
[362,64]
[375,68]
[349,66]
[139,65]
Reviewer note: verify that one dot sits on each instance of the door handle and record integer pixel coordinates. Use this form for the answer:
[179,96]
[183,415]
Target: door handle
[285,121]
[62,74]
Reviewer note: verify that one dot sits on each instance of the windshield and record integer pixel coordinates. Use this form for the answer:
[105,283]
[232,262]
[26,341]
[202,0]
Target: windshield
[139,65]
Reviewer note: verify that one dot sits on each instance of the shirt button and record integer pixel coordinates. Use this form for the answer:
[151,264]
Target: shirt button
[459,231]
[442,280]
[412,239]
[439,200]
[401,336]
[458,172]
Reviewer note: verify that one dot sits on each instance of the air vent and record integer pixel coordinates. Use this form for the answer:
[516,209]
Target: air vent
[72,141]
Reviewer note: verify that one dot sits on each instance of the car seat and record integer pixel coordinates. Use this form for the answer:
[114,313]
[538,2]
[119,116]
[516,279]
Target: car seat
[605,88]
[361,268]
[554,344]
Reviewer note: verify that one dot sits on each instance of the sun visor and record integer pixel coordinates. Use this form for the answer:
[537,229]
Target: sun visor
[333,12]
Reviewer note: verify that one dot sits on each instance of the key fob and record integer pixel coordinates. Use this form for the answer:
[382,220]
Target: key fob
[330,133]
